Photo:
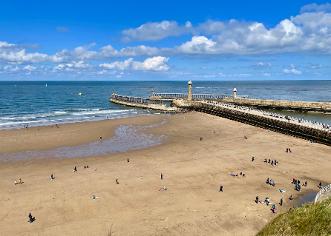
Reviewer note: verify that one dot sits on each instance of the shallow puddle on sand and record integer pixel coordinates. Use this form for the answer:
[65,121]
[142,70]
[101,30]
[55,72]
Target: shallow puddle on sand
[308,197]
[126,138]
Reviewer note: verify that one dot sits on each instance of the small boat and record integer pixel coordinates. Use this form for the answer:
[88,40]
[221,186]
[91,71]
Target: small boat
[46,85]
[80,94]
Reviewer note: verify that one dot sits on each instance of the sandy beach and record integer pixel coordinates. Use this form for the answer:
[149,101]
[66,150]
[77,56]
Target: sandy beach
[197,156]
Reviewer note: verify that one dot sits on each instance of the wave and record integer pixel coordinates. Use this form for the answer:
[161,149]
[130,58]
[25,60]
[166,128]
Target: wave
[64,116]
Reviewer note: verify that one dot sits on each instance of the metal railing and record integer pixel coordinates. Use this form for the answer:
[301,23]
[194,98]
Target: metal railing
[324,190]
[184,95]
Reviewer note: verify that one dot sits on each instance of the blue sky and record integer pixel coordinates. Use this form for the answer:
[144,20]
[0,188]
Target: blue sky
[165,40]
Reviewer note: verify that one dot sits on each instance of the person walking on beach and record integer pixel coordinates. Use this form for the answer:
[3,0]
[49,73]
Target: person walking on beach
[221,188]
[117,182]
[273,208]
[161,176]
[257,199]
[52,177]
[253,158]
[75,169]
[281,202]
[31,218]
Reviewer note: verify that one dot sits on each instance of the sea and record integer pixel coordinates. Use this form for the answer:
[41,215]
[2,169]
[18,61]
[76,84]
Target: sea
[39,103]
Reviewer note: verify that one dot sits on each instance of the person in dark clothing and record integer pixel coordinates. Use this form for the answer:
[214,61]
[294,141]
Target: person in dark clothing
[273,208]
[257,199]
[117,182]
[221,188]
[52,177]
[161,176]
[31,218]
[281,202]
[253,158]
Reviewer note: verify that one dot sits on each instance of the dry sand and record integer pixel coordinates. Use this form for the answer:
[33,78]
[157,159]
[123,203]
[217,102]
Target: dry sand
[193,170]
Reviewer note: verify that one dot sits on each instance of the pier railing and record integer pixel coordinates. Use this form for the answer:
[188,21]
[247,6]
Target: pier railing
[131,99]
[172,96]
[325,191]
[144,103]
[256,118]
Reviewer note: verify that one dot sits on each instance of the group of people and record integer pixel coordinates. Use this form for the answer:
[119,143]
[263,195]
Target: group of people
[297,184]
[270,182]
[288,150]
[271,162]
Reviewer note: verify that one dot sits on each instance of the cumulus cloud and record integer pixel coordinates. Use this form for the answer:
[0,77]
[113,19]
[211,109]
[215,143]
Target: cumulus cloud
[156,31]
[157,63]
[310,31]
[13,53]
[263,64]
[29,68]
[326,7]
[292,70]
[139,50]
[198,44]
[72,66]
[4,44]
[83,52]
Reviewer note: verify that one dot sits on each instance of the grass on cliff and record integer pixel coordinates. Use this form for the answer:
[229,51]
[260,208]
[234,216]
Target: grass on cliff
[310,219]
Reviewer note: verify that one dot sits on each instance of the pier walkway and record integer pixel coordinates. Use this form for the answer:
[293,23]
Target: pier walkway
[173,96]
[240,109]
[142,103]
[316,132]
[252,102]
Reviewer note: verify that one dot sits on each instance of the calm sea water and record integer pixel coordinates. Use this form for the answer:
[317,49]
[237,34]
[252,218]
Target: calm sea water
[34,103]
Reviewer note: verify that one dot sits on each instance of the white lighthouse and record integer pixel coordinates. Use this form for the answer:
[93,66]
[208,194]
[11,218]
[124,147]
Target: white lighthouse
[234,93]
[189,94]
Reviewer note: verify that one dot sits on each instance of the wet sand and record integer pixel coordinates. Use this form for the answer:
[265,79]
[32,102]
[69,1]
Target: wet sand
[193,171]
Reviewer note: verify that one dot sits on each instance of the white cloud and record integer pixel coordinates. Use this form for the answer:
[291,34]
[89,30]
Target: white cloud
[4,44]
[292,70]
[326,7]
[157,63]
[263,64]
[108,51]
[139,50]
[72,66]
[198,44]
[156,31]
[83,52]
[29,68]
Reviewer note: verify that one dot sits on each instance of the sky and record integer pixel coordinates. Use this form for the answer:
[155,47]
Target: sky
[165,40]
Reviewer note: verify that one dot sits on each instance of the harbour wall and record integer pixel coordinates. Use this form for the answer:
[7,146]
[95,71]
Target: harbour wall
[294,129]
[280,104]
[141,103]
[303,106]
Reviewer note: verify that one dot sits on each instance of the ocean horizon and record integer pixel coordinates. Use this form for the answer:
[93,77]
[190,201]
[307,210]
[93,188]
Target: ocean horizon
[39,103]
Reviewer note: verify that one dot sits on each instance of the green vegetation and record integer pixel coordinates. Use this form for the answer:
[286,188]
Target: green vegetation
[310,219]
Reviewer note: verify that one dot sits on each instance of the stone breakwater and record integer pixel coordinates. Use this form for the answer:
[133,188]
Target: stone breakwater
[141,103]
[280,104]
[252,102]
[258,118]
